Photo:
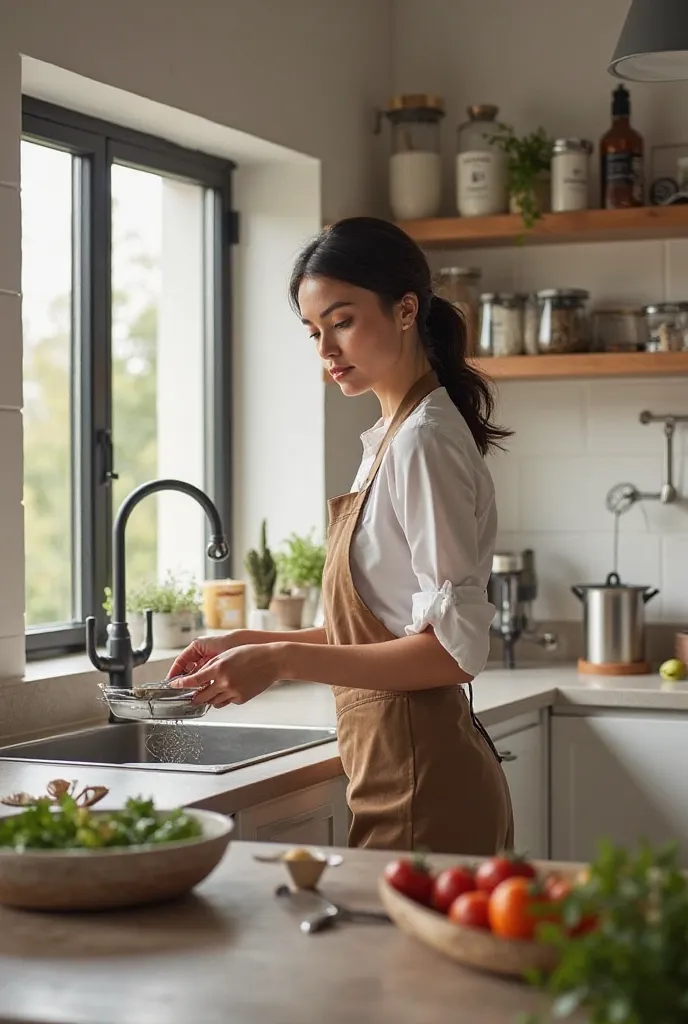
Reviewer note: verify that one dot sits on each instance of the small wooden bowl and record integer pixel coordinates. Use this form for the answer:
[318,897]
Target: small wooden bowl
[473,947]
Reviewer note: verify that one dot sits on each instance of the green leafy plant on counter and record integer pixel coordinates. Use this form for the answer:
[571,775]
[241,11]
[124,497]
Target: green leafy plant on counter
[528,157]
[173,594]
[70,827]
[301,563]
[633,967]
[262,570]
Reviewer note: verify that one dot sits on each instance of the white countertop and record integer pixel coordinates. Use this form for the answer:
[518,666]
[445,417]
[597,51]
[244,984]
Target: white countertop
[499,695]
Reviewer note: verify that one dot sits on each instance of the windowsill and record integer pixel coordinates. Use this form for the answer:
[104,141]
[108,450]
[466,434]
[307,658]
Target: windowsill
[80,665]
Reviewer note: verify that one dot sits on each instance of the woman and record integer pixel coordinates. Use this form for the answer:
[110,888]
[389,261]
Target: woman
[408,561]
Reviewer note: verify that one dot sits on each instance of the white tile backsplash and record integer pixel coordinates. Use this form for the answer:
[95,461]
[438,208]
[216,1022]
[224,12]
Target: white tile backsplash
[675,579]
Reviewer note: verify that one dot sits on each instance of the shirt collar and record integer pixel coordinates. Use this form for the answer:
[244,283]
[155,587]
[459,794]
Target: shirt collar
[371,439]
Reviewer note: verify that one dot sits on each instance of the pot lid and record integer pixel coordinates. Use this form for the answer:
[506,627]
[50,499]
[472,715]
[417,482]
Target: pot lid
[612,582]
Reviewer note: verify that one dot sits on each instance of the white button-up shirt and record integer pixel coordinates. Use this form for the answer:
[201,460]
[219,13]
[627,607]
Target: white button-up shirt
[422,553]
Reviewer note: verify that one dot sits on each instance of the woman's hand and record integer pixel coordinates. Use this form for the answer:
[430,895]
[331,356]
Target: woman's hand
[203,650]
[234,676]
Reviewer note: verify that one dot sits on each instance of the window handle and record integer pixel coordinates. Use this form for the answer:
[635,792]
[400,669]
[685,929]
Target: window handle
[104,441]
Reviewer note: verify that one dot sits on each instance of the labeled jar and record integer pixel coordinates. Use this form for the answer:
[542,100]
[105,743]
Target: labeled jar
[667,325]
[461,287]
[531,325]
[620,329]
[481,188]
[415,164]
[224,604]
[501,324]
[570,174]
[564,325]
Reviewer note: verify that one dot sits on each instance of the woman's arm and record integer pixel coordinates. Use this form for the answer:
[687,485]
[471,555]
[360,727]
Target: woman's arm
[244,637]
[417,662]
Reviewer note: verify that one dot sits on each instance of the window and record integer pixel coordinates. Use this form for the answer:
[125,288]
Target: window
[125,250]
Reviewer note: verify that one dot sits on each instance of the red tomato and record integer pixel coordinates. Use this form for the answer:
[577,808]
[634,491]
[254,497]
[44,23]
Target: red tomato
[497,869]
[511,907]
[449,885]
[410,877]
[471,910]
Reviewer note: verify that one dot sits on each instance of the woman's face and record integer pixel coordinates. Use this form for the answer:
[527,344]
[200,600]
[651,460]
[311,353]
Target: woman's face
[359,342]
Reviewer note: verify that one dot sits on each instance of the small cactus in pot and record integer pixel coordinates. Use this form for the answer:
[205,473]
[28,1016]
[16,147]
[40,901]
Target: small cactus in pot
[262,571]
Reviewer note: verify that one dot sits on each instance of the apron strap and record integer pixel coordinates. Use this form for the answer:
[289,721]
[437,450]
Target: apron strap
[421,389]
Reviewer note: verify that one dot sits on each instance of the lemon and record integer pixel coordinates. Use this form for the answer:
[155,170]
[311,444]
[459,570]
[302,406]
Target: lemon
[297,853]
[673,670]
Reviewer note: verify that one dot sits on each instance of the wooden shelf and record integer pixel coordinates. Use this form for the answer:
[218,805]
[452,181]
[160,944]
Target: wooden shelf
[581,365]
[586,364]
[641,223]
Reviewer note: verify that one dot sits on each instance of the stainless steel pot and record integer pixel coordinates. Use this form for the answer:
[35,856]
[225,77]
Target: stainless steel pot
[614,620]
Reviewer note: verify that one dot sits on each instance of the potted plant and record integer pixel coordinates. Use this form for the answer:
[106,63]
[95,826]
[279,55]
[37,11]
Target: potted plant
[262,571]
[175,603]
[528,161]
[300,565]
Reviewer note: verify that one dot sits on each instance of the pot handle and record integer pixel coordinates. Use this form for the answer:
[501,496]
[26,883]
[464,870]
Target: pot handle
[648,595]
[613,579]
[579,592]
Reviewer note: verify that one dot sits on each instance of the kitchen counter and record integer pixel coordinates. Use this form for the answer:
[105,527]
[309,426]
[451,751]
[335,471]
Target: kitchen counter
[500,695]
[233,952]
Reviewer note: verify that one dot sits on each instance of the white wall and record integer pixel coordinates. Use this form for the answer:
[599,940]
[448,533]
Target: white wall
[305,75]
[544,62]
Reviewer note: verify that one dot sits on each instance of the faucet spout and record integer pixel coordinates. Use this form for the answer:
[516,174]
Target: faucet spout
[121,657]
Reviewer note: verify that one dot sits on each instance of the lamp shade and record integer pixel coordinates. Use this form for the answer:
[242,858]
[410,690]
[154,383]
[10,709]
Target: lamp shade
[653,45]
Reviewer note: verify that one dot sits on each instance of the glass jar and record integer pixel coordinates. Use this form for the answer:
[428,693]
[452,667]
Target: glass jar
[460,286]
[667,325]
[619,330]
[415,164]
[570,167]
[564,325]
[481,188]
[531,325]
[224,604]
[501,324]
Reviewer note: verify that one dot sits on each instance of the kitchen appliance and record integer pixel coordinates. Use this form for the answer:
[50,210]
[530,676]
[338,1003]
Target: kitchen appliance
[613,626]
[512,589]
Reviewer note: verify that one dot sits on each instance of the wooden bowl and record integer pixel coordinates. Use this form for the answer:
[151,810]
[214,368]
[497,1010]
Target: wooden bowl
[115,877]
[473,947]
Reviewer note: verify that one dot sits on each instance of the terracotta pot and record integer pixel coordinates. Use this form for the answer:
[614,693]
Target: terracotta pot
[288,610]
[311,606]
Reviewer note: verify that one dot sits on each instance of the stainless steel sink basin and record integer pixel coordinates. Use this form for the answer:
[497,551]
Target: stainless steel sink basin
[186,747]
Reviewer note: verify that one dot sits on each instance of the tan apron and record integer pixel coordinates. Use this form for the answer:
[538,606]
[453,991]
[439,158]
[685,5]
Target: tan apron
[423,774]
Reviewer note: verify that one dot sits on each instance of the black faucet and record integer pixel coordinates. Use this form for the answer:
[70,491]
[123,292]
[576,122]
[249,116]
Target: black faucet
[121,657]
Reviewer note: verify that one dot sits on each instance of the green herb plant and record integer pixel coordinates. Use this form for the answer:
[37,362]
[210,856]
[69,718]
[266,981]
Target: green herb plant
[300,564]
[633,967]
[70,827]
[262,570]
[527,157]
[174,594]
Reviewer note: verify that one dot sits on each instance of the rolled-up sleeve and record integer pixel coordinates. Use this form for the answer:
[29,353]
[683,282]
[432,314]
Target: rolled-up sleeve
[435,499]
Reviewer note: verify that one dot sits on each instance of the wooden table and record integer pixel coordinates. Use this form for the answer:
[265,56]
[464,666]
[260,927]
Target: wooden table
[232,953]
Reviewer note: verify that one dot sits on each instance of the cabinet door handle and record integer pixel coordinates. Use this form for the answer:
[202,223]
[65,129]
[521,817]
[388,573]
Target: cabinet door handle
[506,755]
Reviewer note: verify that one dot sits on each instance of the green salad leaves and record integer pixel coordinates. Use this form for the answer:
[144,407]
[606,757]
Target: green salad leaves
[69,827]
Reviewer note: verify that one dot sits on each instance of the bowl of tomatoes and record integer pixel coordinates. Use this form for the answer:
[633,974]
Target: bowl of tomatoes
[487,915]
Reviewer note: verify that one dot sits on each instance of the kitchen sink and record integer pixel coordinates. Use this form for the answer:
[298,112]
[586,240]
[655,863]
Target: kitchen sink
[187,747]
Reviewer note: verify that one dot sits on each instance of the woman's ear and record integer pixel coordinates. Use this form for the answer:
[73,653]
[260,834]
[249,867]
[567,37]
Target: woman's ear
[408,310]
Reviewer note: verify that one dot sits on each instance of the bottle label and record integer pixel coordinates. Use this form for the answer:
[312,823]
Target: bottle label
[481,183]
[625,170]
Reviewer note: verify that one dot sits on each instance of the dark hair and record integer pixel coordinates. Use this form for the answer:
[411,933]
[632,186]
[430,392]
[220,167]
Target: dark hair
[380,257]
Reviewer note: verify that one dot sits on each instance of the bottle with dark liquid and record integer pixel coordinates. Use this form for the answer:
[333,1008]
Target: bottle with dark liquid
[621,157]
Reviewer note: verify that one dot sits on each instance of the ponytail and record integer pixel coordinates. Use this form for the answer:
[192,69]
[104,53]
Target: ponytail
[445,340]
[380,257]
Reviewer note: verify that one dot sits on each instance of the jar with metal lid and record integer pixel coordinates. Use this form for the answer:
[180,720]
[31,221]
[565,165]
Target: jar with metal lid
[460,286]
[570,173]
[501,324]
[621,329]
[564,325]
[667,325]
[415,165]
[481,188]
[531,325]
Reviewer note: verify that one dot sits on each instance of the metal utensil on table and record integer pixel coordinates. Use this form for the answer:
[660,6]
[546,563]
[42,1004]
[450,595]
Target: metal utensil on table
[332,913]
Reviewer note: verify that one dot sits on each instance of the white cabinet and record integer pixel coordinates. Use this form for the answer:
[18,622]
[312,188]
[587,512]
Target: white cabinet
[623,777]
[315,816]
[523,744]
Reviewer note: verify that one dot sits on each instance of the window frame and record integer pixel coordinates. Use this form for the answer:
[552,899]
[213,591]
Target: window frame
[97,145]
